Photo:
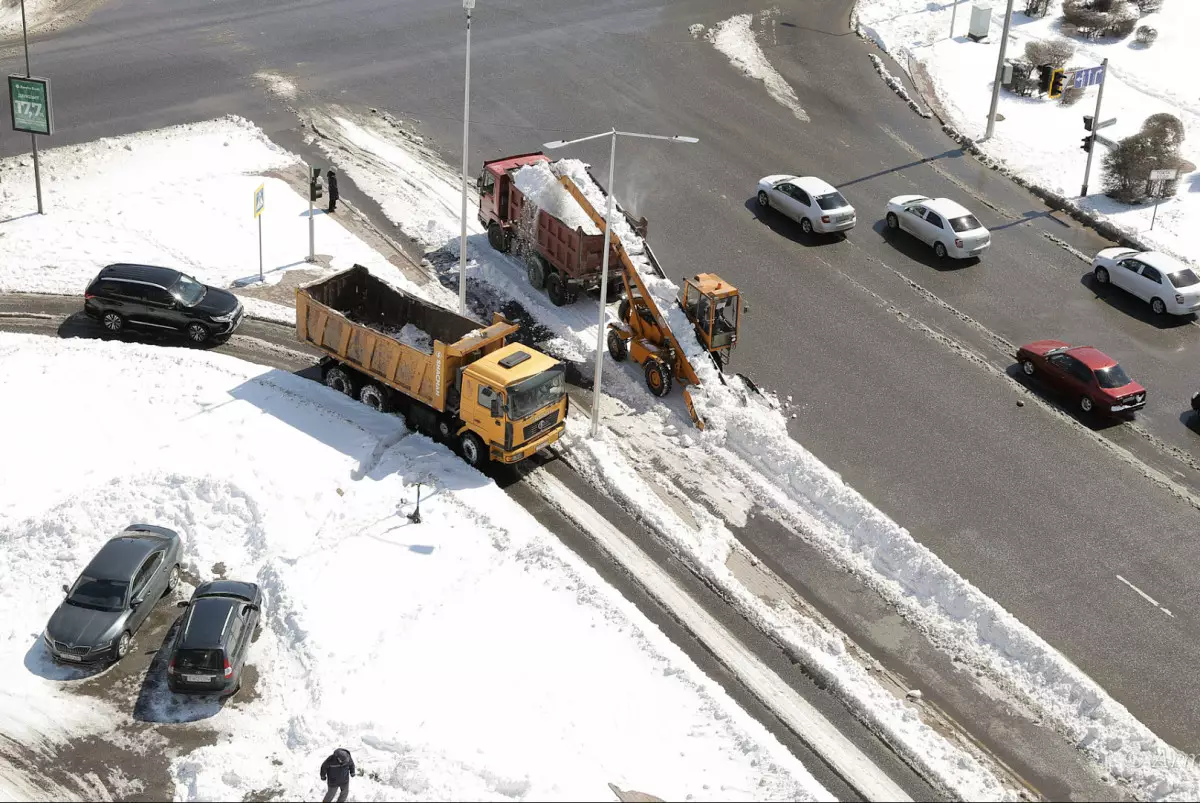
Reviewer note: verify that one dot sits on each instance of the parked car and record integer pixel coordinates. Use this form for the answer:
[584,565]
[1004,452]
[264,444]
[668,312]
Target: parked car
[944,224]
[1083,373]
[113,596]
[1163,282]
[813,203]
[210,647]
[161,298]
[1196,401]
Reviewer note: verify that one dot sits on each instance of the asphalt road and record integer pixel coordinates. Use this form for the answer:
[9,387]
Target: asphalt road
[141,677]
[898,363]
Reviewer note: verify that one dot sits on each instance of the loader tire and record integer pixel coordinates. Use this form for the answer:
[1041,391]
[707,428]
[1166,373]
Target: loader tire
[617,346]
[556,290]
[536,271]
[658,378]
[623,311]
[338,379]
[496,238]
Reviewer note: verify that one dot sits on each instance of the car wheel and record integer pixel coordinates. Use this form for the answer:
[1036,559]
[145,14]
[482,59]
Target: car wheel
[374,397]
[473,451]
[806,226]
[617,347]
[1101,276]
[939,250]
[1086,404]
[173,579]
[197,332]
[113,322]
[1027,367]
[123,645]
[1157,306]
[339,380]
[893,222]
[763,200]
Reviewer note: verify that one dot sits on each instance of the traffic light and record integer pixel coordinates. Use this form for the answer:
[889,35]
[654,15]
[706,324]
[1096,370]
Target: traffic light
[1089,143]
[1057,78]
[315,190]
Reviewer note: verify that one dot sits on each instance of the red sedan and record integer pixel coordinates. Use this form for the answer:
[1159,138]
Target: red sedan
[1083,373]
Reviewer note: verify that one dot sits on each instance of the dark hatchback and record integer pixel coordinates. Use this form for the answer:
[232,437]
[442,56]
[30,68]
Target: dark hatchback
[146,296]
[214,636]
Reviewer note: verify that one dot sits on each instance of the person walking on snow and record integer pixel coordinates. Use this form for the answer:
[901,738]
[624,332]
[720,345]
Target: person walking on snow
[337,769]
[333,190]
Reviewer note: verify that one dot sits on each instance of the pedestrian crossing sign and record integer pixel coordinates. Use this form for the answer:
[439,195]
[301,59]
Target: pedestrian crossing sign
[260,199]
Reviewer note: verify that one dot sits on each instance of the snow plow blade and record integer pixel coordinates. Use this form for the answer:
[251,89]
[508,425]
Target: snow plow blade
[696,419]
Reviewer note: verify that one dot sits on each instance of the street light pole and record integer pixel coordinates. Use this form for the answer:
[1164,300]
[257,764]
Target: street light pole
[991,123]
[608,221]
[462,239]
[37,171]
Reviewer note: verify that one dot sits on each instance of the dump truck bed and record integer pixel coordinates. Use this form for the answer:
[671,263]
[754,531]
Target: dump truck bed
[363,321]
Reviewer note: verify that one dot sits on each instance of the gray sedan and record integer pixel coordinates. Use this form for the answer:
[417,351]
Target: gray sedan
[114,595]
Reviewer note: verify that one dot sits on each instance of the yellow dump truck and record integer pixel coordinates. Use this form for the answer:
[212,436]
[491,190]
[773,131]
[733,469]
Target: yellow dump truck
[448,376]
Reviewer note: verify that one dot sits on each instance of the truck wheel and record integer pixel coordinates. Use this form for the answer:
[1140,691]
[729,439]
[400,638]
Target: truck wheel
[536,272]
[373,396]
[473,450]
[496,237]
[337,378]
[556,290]
[658,378]
[617,347]
[445,431]
[623,311]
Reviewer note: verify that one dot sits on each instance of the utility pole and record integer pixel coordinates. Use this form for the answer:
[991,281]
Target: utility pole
[991,123]
[37,170]
[1087,171]
[462,239]
[953,16]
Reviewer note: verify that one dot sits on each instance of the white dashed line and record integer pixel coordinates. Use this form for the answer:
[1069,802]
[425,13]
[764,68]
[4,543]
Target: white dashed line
[1146,596]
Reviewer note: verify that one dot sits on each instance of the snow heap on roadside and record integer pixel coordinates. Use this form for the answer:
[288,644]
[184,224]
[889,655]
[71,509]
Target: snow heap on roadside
[736,40]
[471,656]
[539,184]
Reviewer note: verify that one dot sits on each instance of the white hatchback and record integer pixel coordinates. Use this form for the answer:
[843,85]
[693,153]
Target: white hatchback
[1163,282]
[939,222]
[815,204]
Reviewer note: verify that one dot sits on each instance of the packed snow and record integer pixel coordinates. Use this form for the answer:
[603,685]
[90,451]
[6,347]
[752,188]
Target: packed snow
[1038,138]
[540,186]
[10,16]
[748,454]
[469,656]
[736,39]
[180,197]
[415,337]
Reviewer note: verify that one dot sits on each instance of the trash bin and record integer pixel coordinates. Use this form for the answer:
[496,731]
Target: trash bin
[981,22]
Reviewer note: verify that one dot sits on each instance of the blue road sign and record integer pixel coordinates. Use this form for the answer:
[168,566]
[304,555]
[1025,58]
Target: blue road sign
[1090,76]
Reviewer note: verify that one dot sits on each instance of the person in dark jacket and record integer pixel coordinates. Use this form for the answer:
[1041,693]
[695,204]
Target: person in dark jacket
[337,769]
[333,190]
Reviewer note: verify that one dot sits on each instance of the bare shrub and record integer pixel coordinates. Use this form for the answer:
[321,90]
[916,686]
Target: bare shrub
[1052,52]
[1156,147]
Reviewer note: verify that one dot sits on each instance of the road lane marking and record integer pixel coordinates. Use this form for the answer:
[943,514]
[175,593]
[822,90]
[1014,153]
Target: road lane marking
[1146,596]
[850,763]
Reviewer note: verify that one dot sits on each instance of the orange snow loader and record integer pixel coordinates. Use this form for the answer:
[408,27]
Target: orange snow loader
[710,303]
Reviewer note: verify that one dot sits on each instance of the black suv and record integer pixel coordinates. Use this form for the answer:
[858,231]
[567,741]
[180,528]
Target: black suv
[213,638]
[161,298]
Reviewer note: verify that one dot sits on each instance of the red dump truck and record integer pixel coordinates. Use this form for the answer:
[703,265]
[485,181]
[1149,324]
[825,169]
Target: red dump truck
[450,377]
[561,259]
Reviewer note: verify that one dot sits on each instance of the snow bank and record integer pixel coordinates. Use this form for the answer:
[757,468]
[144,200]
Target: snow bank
[10,16]
[471,656]
[539,184]
[180,197]
[735,39]
[1038,141]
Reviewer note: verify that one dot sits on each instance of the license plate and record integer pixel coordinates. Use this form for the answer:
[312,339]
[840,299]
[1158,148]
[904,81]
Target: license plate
[70,657]
[198,678]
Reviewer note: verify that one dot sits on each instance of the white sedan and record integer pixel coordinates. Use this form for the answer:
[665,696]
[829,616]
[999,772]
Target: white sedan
[944,224]
[815,204]
[1163,282]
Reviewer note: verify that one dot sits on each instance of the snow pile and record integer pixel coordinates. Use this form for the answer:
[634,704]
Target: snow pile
[415,337]
[897,86]
[736,40]
[10,16]
[467,657]
[1038,140]
[181,197]
[540,186]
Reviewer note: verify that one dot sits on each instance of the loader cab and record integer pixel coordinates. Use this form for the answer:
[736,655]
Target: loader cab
[714,308]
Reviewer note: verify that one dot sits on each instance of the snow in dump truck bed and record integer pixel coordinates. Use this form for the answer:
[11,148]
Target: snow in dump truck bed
[541,186]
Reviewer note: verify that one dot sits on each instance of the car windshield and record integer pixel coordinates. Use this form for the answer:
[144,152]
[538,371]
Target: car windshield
[103,595]
[534,393]
[188,291]
[1112,377]
[965,223]
[833,200]
[1183,278]
[199,660]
